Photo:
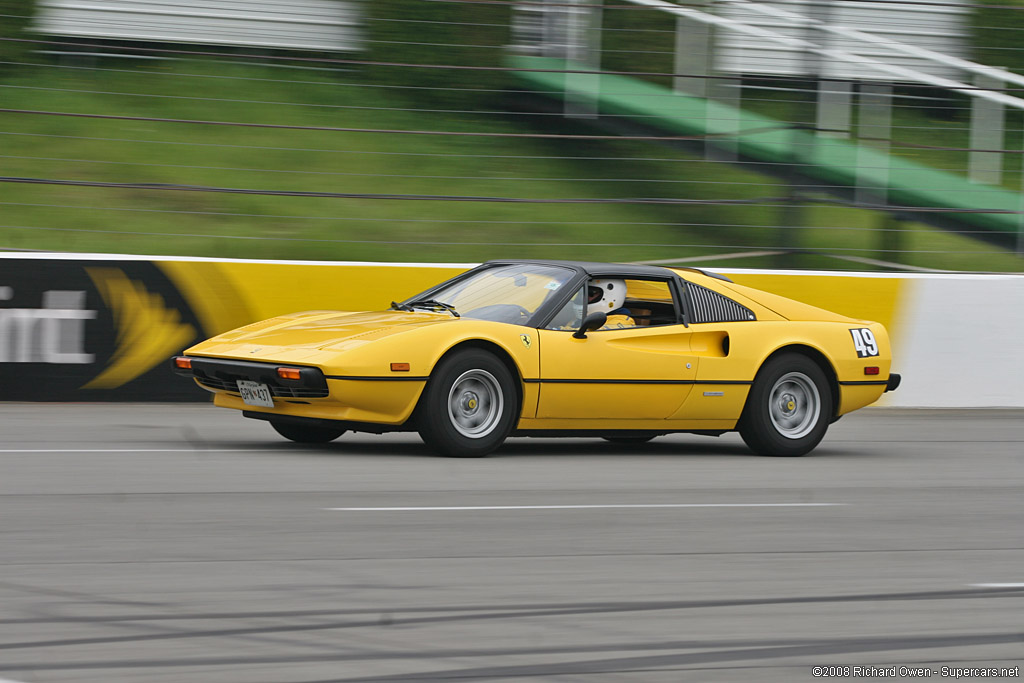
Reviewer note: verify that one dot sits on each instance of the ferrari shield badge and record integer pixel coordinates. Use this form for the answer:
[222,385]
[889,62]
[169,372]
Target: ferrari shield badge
[526,340]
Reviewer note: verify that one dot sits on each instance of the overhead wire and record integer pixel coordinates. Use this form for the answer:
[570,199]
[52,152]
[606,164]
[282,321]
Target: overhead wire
[398,220]
[764,202]
[806,186]
[478,156]
[461,67]
[945,106]
[272,238]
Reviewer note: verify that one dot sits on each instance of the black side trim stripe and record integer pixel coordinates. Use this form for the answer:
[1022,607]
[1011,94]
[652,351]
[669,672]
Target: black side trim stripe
[723,381]
[634,381]
[865,383]
[379,379]
[355,378]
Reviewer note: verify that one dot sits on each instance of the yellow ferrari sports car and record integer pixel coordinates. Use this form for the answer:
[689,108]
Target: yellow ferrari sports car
[555,348]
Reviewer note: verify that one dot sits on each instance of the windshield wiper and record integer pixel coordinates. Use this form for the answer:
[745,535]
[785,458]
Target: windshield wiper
[395,306]
[434,303]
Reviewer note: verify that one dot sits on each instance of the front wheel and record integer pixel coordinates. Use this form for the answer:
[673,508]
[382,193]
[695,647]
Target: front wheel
[789,407]
[469,405]
[306,434]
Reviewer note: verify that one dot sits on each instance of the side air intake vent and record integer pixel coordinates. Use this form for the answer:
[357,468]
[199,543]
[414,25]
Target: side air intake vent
[711,307]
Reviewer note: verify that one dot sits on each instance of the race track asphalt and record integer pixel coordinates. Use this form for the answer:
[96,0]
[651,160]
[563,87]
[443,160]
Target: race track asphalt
[159,543]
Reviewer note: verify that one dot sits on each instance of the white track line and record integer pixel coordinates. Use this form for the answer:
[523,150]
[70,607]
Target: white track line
[585,507]
[996,585]
[184,449]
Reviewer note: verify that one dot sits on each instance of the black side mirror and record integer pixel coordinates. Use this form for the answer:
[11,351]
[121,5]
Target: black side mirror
[594,321]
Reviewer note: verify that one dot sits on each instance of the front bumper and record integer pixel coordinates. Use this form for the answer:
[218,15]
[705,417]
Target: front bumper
[215,374]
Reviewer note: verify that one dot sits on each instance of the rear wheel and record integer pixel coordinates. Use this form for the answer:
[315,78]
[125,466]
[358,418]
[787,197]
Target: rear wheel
[469,405]
[789,407]
[306,434]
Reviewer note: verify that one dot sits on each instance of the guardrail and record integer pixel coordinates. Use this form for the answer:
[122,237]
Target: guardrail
[577,36]
[95,327]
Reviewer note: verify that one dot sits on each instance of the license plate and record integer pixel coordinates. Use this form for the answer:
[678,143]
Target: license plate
[255,394]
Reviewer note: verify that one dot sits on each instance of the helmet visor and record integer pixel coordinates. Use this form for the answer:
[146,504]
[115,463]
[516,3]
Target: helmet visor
[594,294]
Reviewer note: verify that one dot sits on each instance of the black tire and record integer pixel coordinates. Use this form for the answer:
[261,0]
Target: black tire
[789,407]
[306,434]
[627,440]
[469,406]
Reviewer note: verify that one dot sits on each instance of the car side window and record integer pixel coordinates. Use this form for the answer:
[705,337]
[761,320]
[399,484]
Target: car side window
[570,317]
[649,303]
[628,302]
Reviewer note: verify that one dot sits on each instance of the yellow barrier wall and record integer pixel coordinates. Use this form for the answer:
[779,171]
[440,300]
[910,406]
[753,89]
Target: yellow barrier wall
[230,294]
[101,327]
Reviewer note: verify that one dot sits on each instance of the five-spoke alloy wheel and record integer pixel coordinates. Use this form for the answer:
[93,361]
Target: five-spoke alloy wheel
[789,407]
[469,405]
[475,403]
[794,405]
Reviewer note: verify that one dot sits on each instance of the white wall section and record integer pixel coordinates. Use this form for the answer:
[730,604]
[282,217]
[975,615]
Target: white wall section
[326,25]
[940,26]
[962,343]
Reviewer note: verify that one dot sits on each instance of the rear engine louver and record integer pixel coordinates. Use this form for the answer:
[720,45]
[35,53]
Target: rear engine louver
[711,307]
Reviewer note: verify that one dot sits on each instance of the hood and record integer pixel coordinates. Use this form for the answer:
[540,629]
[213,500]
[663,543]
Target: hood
[329,330]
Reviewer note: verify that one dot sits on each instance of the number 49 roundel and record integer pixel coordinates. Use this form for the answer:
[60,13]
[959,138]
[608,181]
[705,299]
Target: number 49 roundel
[864,342]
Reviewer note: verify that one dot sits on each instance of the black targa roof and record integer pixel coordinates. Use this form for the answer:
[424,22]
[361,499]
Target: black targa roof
[598,269]
[594,268]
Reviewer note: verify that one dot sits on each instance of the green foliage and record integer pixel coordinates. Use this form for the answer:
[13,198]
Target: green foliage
[997,26]
[113,220]
[438,33]
[15,18]
[638,39]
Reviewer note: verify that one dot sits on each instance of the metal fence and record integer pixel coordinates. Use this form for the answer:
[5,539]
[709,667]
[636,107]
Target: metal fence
[263,125]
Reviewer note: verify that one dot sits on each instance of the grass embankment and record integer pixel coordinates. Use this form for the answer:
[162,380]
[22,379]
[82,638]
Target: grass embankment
[155,221]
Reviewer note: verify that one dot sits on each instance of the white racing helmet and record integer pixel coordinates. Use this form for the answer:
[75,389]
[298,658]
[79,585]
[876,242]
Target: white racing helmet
[605,295]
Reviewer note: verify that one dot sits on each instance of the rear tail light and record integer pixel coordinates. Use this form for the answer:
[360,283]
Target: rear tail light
[289,373]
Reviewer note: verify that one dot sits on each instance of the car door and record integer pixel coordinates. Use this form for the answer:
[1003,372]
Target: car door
[644,371]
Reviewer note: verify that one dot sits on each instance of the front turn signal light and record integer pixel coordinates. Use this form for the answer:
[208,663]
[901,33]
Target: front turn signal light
[399,367]
[183,363]
[289,373]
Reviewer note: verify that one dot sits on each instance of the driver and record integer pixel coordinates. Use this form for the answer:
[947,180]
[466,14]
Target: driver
[609,296]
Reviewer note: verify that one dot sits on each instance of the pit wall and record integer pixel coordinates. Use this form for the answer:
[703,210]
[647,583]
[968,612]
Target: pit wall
[101,327]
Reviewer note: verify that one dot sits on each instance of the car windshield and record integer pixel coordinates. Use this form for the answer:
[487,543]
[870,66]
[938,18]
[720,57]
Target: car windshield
[507,293]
